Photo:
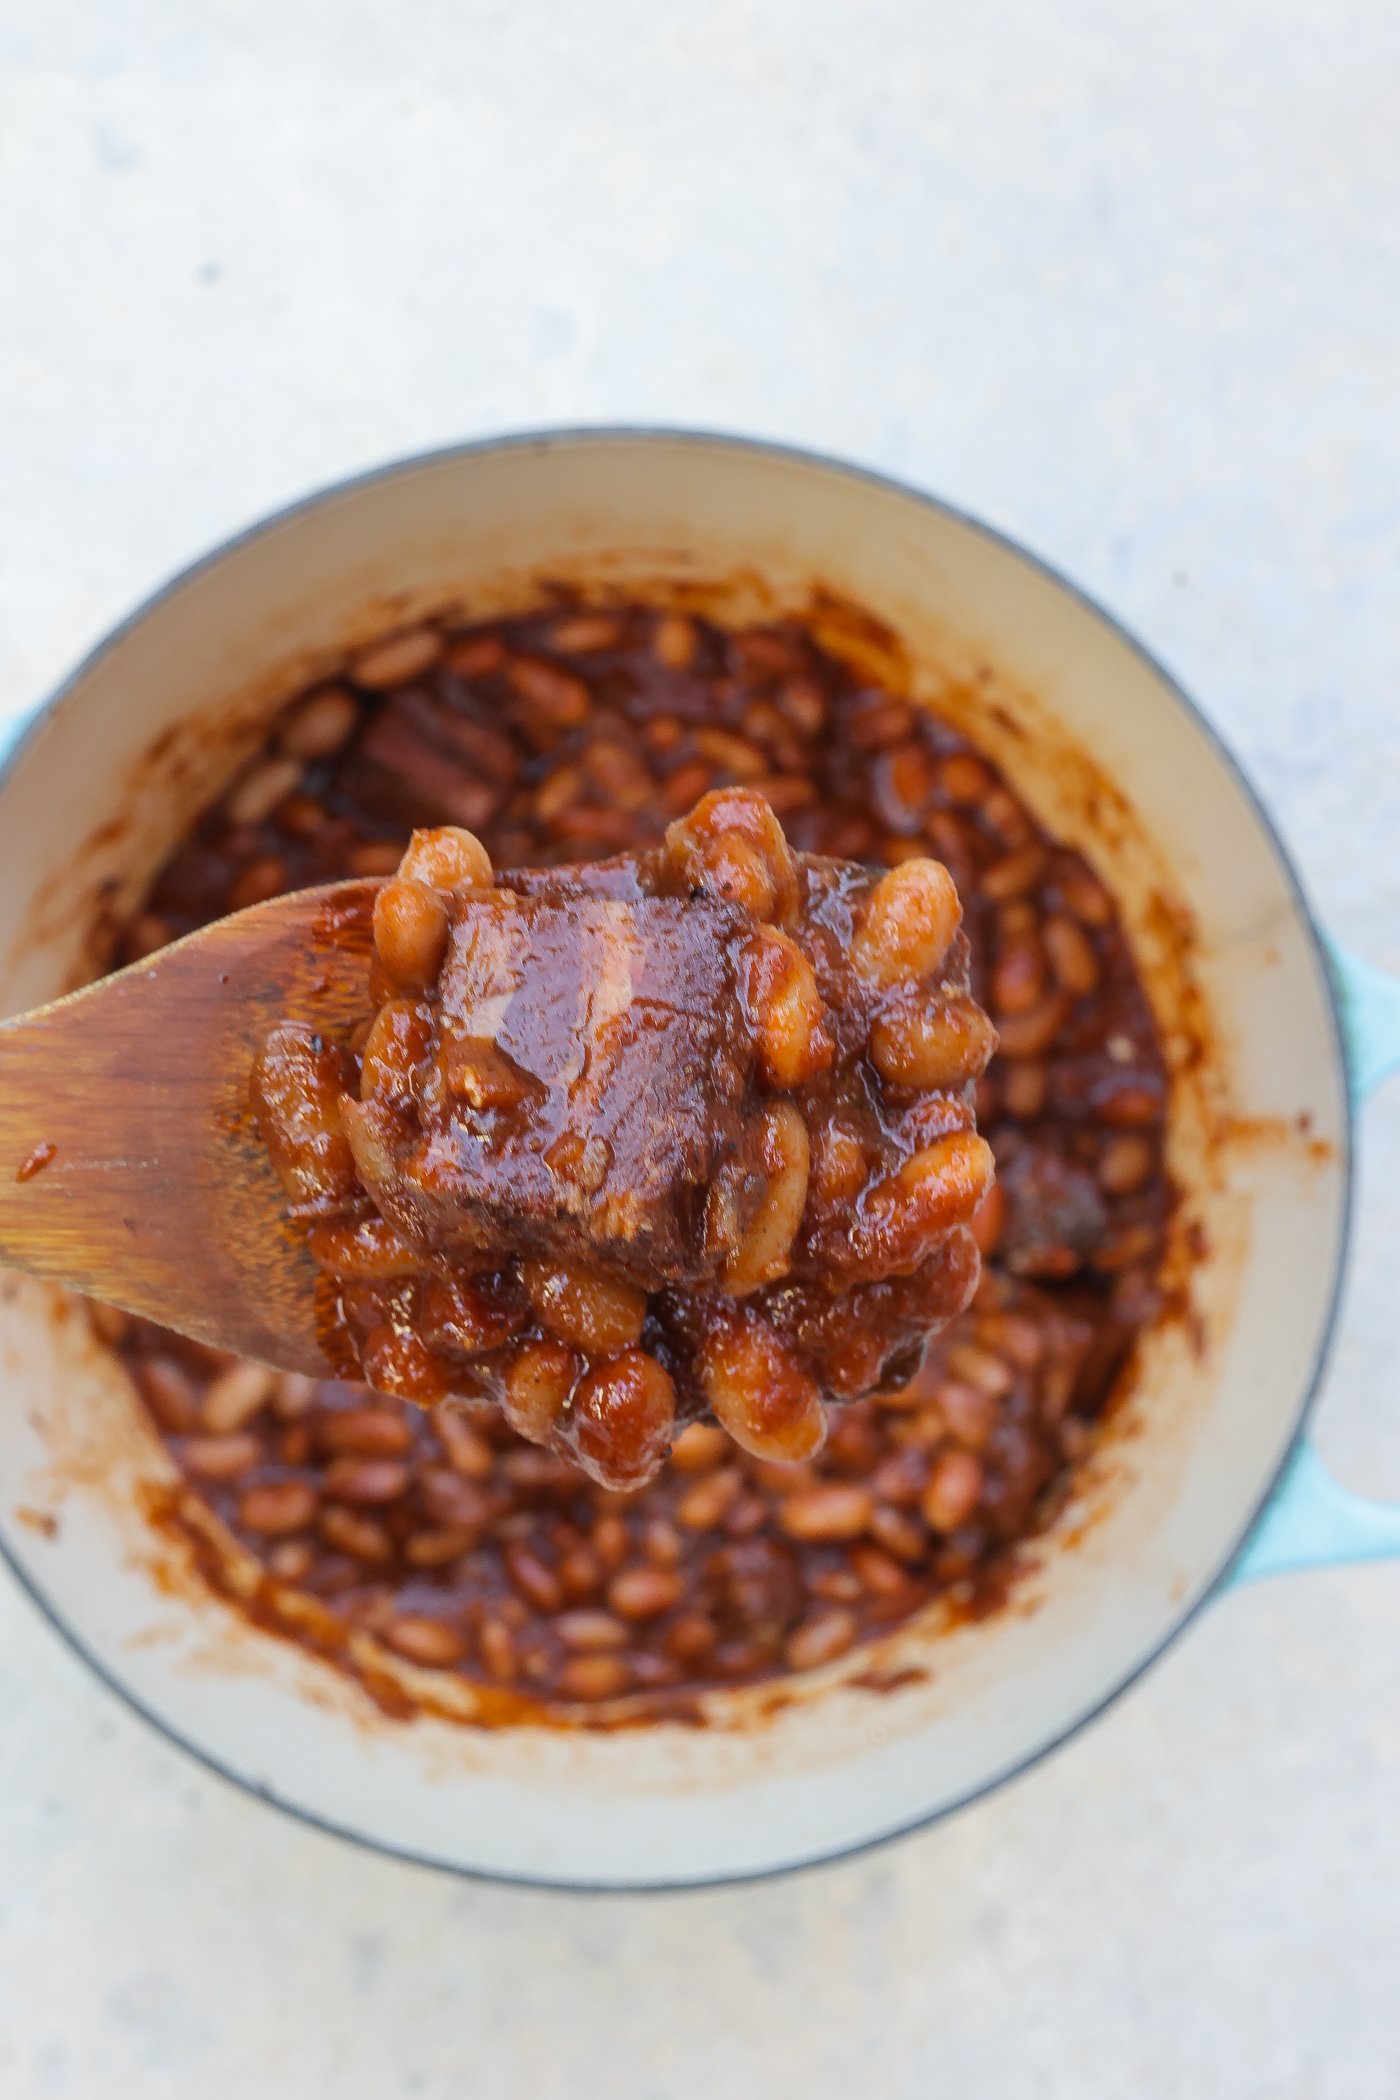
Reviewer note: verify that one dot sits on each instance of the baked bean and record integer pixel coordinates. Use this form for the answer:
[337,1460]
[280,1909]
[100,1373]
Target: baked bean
[979,1368]
[699,1446]
[447,858]
[780,992]
[1072,956]
[1125,1164]
[170,1394]
[953,1492]
[396,660]
[966,778]
[674,641]
[373,857]
[878,1572]
[1025,1089]
[1014,875]
[298,1079]
[785,1153]
[435,1549]
[611,1542]
[644,1593]
[557,794]
[262,878]
[803,704]
[236,1396]
[304,817]
[907,923]
[1126,1102]
[370,1247]
[897,1532]
[367,1432]
[1030,1033]
[988,1219]
[690,1638]
[703,1506]
[758,1389]
[728,753]
[602,829]
[583,633]
[662,733]
[732,846]
[469,1315]
[931,1042]
[1086,898]
[584,1308]
[476,655]
[410,932]
[904,781]
[618,774]
[535,1582]
[554,696]
[319,724]
[356,1479]
[839,1168]
[363,1538]
[466,1448]
[968,1412]
[497,1645]
[539,1379]
[220,1457]
[830,1512]
[590,1632]
[1018,976]
[936,1189]
[451,1500]
[820,1639]
[1007,817]
[430,1642]
[661,1542]
[680,790]
[291,1560]
[277,1506]
[623,1417]
[590,1677]
[293,1395]
[252,799]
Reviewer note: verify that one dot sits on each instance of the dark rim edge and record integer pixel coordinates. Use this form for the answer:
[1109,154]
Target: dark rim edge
[32,726]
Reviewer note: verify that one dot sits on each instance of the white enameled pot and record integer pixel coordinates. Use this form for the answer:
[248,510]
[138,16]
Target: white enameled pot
[1111,756]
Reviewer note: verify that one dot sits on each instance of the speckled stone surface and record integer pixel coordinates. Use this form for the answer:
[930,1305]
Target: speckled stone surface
[1125,281]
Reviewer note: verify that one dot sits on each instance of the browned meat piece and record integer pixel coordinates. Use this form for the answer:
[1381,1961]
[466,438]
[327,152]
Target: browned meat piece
[688,1131]
[418,754]
[594,1058]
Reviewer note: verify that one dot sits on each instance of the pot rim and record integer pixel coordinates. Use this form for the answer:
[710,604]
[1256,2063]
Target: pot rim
[32,726]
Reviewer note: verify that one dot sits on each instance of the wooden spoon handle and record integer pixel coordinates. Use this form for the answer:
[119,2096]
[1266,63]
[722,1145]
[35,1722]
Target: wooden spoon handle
[129,1163]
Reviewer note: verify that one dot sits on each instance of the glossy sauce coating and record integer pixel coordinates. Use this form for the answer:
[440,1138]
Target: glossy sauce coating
[618,1147]
[561,736]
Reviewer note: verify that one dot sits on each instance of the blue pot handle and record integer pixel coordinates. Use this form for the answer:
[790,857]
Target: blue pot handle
[1310,1520]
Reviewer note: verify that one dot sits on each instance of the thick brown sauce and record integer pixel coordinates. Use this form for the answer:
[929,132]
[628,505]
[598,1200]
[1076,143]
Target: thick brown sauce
[462,1547]
[704,1162]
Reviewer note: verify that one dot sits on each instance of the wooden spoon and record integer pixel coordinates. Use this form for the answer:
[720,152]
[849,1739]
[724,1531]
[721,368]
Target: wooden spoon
[130,1164]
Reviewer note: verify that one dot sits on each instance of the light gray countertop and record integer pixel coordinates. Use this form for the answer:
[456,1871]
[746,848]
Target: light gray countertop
[1127,283]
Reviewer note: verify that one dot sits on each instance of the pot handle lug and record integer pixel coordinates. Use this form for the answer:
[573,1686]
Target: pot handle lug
[1310,1520]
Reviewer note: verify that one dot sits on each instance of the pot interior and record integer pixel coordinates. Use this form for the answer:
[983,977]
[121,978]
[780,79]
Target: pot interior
[1107,754]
